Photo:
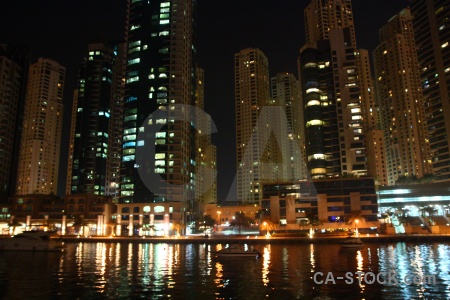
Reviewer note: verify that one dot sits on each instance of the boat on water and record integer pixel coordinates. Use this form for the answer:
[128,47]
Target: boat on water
[351,242]
[236,251]
[35,240]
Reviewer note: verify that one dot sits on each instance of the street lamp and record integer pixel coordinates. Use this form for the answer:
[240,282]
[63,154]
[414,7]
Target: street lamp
[356,227]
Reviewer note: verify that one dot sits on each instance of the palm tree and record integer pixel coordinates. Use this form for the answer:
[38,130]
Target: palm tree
[241,220]
[13,223]
[430,210]
[267,225]
[79,223]
[206,221]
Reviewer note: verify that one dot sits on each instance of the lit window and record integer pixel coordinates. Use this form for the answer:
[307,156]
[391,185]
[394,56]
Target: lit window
[160,163]
[313,102]
[158,209]
[160,155]
[164,50]
[132,79]
[312,90]
[165,21]
[314,123]
[134,44]
[128,158]
[133,61]
[160,170]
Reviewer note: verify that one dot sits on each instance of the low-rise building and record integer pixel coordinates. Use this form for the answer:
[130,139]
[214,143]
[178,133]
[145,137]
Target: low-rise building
[153,219]
[74,214]
[333,203]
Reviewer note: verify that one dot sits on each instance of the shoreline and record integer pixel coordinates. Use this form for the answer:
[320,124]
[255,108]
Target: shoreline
[257,239]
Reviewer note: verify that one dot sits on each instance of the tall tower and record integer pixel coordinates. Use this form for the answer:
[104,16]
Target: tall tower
[206,151]
[42,126]
[432,36]
[399,95]
[159,89]
[322,16]
[337,94]
[375,149]
[285,88]
[252,94]
[14,64]
[93,118]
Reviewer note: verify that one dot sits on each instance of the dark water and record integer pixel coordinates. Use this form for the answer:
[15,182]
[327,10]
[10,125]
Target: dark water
[176,271]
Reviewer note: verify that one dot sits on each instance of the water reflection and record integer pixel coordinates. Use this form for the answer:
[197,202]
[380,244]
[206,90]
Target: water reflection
[178,271]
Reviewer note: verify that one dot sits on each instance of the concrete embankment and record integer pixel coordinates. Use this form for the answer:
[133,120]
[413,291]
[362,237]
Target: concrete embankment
[428,238]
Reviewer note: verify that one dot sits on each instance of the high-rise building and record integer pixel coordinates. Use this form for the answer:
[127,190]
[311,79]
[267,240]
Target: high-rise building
[332,102]
[255,147]
[206,187]
[337,94]
[374,137]
[42,126]
[14,64]
[432,37]
[322,16]
[115,124]
[400,98]
[95,121]
[158,144]
[285,89]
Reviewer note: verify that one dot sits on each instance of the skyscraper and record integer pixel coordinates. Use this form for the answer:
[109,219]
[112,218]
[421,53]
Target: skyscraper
[96,100]
[323,16]
[285,89]
[374,137]
[255,147]
[14,64]
[400,97]
[432,37]
[334,105]
[159,90]
[42,126]
[206,187]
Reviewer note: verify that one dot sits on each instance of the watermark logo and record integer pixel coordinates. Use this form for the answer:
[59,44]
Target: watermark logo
[271,124]
[383,278]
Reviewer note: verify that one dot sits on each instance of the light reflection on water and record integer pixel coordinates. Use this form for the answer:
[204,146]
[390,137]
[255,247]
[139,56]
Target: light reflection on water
[178,271]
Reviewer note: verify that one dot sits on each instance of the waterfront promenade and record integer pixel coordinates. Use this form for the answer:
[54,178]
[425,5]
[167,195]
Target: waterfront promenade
[256,239]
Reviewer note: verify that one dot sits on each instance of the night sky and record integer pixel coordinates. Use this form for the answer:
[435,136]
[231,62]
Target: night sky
[61,30]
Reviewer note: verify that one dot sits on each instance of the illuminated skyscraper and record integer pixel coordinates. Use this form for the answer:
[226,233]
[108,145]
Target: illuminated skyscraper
[323,16]
[94,121]
[206,188]
[400,97]
[432,37]
[254,149]
[159,89]
[338,96]
[42,126]
[285,89]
